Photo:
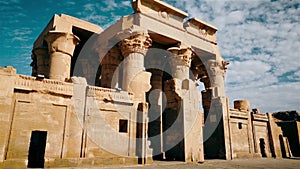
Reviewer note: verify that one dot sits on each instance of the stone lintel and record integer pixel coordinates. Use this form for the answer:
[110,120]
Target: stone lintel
[65,23]
[81,23]
[260,117]
[148,6]
[238,114]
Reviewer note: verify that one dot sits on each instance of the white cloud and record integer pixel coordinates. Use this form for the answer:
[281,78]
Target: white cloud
[261,39]
[126,3]
[272,98]
[245,71]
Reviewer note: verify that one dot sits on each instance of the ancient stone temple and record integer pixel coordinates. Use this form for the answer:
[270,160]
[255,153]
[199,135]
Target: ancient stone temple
[130,95]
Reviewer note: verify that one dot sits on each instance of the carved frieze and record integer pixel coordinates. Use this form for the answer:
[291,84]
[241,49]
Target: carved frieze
[45,85]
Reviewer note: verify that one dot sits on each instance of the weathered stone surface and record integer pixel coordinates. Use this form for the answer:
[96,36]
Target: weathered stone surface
[142,111]
[61,46]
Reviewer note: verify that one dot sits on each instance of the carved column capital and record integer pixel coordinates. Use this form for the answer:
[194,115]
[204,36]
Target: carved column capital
[61,46]
[215,67]
[134,41]
[180,61]
[63,42]
[216,70]
[182,55]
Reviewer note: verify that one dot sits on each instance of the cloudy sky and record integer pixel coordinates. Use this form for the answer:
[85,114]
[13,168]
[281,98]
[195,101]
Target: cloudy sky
[260,39]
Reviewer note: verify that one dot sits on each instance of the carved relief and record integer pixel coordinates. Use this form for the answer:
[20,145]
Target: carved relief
[46,85]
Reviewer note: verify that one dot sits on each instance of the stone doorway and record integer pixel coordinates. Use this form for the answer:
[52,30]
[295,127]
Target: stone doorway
[262,146]
[282,146]
[37,149]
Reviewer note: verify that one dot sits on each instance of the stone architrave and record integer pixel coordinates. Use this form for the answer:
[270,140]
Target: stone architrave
[61,46]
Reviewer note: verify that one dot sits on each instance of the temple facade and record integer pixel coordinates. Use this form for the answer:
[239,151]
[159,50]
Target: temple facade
[130,95]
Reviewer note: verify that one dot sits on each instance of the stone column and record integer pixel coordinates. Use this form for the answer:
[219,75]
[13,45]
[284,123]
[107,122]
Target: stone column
[155,131]
[42,57]
[109,71]
[217,119]
[61,46]
[134,48]
[183,104]
[180,63]
[134,45]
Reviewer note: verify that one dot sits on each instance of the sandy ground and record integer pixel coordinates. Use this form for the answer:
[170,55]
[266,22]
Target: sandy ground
[216,164]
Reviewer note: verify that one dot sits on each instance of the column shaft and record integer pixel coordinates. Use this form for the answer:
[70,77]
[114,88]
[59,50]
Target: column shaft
[155,131]
[42,57]
[134,45]
[133,64]
[109,69]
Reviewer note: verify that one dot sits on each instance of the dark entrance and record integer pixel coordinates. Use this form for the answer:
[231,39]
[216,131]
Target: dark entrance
[262,146]
[37,149]
[282,147]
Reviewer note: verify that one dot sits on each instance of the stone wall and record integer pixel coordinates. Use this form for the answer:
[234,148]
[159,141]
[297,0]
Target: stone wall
[253,134]
[83,124]
[241,134]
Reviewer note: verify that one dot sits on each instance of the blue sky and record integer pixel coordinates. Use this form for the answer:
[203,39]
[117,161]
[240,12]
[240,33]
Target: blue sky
[260,39]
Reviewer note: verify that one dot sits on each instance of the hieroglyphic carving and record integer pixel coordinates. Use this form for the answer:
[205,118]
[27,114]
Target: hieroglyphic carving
[113,57]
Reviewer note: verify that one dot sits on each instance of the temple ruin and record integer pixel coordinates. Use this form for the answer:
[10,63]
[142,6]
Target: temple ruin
[129,94]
